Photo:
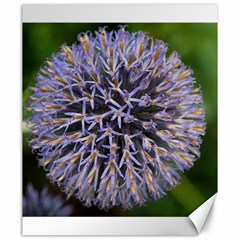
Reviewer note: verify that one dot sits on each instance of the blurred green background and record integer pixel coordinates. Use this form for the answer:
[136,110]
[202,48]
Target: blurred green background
[196,43]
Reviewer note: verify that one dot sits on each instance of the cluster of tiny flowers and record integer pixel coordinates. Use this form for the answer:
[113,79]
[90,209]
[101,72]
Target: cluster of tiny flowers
[115,119]
[42,203]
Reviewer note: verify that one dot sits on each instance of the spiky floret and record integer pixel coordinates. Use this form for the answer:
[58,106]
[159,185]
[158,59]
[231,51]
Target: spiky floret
[43,203]
[115,120]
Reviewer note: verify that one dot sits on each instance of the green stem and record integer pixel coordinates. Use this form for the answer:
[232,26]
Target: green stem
[188,195]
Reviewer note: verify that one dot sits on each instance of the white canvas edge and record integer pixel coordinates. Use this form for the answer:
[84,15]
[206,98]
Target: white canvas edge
[103,226]
[199,216]
[95,226]
[119,13]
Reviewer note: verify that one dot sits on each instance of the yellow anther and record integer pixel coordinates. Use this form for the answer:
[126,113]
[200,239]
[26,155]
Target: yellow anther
[159,87]
[46,89]
[157,54]
[59,121]
[184,74]
[70,59]
[88,96]
[121,45]
[75,76]
[62,177]
[74,159]
[141,48]
[108,185]
[132,187]
[198,128]
[51,106]
[34,98]
[109,131]
[93,155]
[54,172]
[111,64]
[50,70]
[104,39]
[61,80]
[46,140]
[57,141]
[43,71]
[49,63]
[45,123]
[75,135]
[198,111]
[130,60]
[47,161]
[186,158]
[149,175]
[115,83]
[91,177]
[90,139]
[130,173]
[156,72]
[177,143]
[164,167]
[126,155]
[67,49]
[111,51]
[95,77]
[112,168]
[98,118]
[113,149]
[146,155]
[79,116]
[161,151]
[38,109]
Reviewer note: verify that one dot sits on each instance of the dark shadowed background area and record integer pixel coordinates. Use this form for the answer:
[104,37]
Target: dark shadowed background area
[196,43]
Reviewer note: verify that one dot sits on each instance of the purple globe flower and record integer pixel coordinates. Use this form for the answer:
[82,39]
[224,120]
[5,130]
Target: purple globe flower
[42,203]
[115,119]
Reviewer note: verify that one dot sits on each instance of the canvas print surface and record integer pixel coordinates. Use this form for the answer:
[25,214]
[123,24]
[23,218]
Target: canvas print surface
[119,119]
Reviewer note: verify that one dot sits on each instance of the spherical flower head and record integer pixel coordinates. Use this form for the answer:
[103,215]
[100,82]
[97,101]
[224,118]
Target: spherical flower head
[42,203]
[115,119]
